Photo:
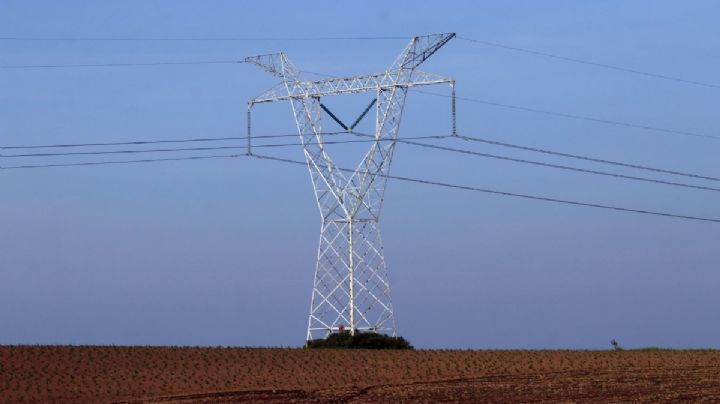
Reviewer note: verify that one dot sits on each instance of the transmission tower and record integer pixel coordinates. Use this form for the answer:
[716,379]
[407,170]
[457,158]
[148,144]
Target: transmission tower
[351,290]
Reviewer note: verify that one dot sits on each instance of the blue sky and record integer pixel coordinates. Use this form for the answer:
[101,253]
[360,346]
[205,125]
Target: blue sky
[221,252]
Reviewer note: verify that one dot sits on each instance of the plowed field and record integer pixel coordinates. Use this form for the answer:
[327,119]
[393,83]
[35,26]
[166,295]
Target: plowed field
[65,374]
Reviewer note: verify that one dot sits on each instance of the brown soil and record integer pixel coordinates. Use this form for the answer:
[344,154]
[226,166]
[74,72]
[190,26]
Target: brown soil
[223,375]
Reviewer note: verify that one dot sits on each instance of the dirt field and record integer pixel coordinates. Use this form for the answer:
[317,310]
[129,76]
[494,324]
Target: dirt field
[185,375]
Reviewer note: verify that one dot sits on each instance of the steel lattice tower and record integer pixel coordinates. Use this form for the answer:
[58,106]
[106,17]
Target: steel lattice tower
[351,289]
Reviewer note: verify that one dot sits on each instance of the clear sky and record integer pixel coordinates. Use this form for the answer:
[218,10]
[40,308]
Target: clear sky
[221,252]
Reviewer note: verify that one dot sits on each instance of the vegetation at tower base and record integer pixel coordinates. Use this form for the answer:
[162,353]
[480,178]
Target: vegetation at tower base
[361,340]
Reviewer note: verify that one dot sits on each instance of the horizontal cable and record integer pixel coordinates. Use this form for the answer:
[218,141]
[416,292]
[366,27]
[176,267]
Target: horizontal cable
[572,116]
[316,73]
[513,194]
[186,149]
[590,63]
[331,38]
[468,138]
[49,66]
[406,140]
[139,142]
[593,159]
[550,165]
[143,142]
[103,152]
[400,178]
[100,163]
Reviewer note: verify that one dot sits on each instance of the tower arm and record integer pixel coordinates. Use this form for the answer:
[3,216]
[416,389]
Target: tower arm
[276,64]
[346,85]
[420,49]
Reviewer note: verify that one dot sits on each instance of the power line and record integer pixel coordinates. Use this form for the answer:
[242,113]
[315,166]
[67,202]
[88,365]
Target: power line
[475,100]
[316,73]
[395,177]
[103,152]
[143,142]
[550,165]
[186,149]
[209,39]
[593,159]
[573,116]
[52,66]
[405,140]
[293,135]
[590,63]
[139,142]
[513,194]
[99,163]
[327,38]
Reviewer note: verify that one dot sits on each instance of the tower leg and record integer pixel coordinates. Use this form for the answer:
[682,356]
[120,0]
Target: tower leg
[356,299]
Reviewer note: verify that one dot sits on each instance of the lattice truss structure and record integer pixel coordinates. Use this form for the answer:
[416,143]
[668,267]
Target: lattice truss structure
[351,290]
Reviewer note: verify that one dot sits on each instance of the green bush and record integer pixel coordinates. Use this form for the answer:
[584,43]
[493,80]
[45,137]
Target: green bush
[361,340]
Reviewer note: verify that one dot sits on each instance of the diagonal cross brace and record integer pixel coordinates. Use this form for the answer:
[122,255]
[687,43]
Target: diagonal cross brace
[357,121]
[335,118]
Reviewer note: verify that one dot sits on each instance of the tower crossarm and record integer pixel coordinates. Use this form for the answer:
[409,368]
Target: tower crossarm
[347,85]
[276,64]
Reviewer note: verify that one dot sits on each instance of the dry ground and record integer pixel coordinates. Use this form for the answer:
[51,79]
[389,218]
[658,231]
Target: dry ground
[65,374]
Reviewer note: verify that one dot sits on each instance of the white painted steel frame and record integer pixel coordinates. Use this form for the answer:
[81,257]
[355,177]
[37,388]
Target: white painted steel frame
[351,289]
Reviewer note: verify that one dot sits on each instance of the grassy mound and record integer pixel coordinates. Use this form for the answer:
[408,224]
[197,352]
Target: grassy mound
[361,340]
